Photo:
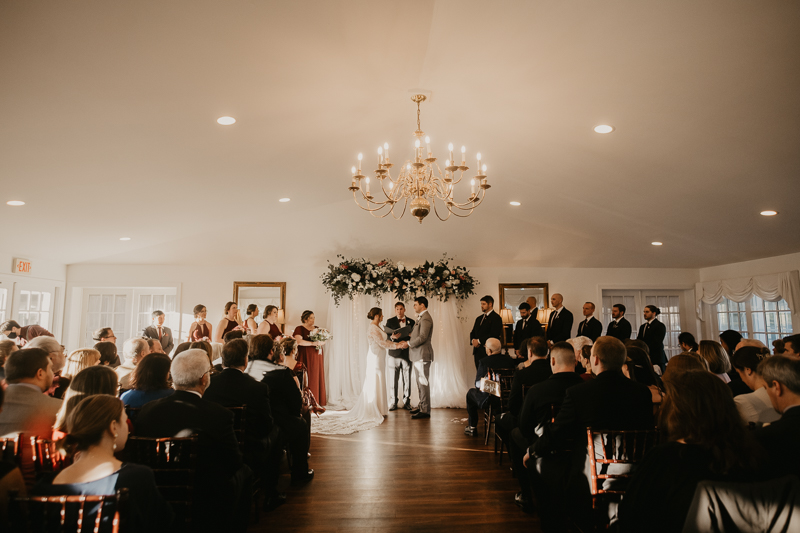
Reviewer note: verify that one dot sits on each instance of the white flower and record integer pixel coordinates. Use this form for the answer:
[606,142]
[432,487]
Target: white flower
[418,283]
[431,270]
[448,283]
[456,282]
[400,267]
[355,277]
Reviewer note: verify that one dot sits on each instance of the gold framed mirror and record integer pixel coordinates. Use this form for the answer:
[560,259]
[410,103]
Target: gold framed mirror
[261,293]
[513,294]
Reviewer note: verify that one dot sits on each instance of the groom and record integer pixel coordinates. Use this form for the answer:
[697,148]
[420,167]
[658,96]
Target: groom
[421,355]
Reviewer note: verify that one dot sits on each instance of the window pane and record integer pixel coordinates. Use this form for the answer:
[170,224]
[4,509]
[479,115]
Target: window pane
[786,323]
[772,337]
[772,322]
[735,321]
[723,322]
[45,301]
[783,306]
[756,303]
[158,302]
[762,337]
[24,299]
[34,303]
[771,306]
[758,322]
[722,306]
[107,303]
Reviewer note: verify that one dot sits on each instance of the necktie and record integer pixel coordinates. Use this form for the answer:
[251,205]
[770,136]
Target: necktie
[159,332]
[482,319]
[646,325]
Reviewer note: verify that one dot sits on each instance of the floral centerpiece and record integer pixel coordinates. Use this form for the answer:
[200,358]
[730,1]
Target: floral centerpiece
[356,276]
[320,335]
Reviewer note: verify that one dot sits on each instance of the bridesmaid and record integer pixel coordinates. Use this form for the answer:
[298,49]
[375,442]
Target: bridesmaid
[200,330]
[229,322]
[308,355]
[268,326]
[250,324]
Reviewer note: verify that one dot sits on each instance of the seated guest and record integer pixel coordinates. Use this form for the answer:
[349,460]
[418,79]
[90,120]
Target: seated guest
[476,399]
[755,343]
[7,347]
[578,343]
[29,373]
[154,346]
[538,408]
[286,402]
[232,336]
[643,367]
[778,347]
[717,359]
[782,437]
[97,429]
[11,480]
[76,361]
[90,381]
[686,342]
[22,335]
[582,359]
[610,401]
[149,381]
[104,335]
[182,347]
[527,327]
[108,353]
[754,406]
[233,388]
[133,351]
[684,362]
[536,370]
[259,359]
[706,440]
[729,339]
[56,352]
[206,347]
[791,346]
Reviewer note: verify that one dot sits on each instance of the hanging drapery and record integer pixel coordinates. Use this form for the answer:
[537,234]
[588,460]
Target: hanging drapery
[769,287]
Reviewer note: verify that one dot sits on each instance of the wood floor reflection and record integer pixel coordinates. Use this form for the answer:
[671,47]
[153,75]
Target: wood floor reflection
[404,475]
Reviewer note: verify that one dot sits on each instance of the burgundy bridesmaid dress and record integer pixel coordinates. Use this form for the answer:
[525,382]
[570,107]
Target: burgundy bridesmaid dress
[315,366]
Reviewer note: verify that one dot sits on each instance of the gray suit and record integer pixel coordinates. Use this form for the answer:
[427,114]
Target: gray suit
[151,332]
[27,410]
[421,355]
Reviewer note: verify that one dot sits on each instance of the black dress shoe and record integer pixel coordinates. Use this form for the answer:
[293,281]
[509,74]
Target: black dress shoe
[471,431]
[524,503]
[393,408]
[273,502]
[407,406]
[303,479]
[420,415]
[414,411]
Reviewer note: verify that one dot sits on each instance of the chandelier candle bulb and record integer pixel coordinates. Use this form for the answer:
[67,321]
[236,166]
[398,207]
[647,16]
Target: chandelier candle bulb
[471,183]
[380,156]
[386,152]
[479,163]
[450,147]
[367,180]
[463,156]
[428,145]
[360,157]
[484,170]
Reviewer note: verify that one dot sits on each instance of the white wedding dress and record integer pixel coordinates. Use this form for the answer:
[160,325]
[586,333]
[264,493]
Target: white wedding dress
[372,404]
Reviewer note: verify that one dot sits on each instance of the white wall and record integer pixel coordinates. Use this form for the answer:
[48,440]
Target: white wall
[768,265]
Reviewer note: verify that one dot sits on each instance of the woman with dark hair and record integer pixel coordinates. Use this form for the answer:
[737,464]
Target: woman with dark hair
[755,406]
[97,429]
[717,358]
[778,347]
[686,342]
[583,360]
[200,330]
[7,347]
[259,353]
[684,362]
[98,379]
[230,321]
[206,347]
[313,359]
[149,381]
[108,353]
[182,347]
[269,325]
[704,438]
[250,325]
[729,339]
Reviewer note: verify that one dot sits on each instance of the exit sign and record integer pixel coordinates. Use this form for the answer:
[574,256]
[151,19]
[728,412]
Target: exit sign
[21,266]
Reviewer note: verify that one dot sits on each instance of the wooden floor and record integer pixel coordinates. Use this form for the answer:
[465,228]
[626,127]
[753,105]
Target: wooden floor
[404,475]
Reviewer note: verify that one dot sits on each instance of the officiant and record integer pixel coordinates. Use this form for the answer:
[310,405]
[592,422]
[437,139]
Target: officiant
[398,362]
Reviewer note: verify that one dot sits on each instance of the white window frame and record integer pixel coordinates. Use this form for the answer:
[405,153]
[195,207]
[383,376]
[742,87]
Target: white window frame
[748,311]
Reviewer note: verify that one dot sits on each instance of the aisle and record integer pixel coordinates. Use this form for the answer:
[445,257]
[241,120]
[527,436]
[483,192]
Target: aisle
[404,475]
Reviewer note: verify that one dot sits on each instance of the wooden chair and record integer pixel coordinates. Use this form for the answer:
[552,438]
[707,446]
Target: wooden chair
[33,455]
[239,422]
[619,447]
[174,462]
[495,407]
[68,513]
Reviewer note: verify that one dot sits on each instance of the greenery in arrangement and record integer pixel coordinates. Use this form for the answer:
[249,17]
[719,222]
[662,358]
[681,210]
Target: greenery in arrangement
[433,279]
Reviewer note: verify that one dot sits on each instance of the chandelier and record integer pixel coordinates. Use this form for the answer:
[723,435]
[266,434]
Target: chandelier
[420,182]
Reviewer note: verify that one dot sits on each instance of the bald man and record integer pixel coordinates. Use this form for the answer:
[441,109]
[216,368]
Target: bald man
[476,399]
[559,326]
[589,326]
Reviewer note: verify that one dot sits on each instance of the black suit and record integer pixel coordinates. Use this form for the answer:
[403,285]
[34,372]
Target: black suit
[559,327]
[653,335]
[781,439]
[592,330]
[538,371]
[620,329]
[524,330]
[487,326]
[287,403]
[398,363]
[477,399]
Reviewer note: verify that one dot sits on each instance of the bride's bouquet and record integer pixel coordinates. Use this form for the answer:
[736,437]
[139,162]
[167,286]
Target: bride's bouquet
[320,335]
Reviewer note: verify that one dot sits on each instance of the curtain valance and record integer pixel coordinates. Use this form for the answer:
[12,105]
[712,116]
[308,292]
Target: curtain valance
[770,287]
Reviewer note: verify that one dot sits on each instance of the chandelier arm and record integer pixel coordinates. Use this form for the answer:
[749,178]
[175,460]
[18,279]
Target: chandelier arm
[389,212]
[436,211]
[380,205]
[405,204]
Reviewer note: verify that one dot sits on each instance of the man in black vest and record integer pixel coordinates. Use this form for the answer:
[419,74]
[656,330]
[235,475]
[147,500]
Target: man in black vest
[488,325]
[398,362]
[526,327]
[559,325]
[619,327]
[589,326]
[652,332]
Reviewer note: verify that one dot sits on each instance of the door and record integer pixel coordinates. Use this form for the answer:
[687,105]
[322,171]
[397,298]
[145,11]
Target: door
[668,301]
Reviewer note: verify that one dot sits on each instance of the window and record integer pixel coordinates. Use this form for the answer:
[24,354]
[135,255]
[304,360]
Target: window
[732,315]
[106,309]
[34,308]
[755,318]
[161,302]
[3,304]
[626,298]
[671,317]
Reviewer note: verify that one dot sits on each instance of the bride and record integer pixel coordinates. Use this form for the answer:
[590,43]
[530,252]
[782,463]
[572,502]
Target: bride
[373,404]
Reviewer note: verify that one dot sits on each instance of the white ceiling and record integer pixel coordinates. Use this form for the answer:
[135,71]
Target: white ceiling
[108,128]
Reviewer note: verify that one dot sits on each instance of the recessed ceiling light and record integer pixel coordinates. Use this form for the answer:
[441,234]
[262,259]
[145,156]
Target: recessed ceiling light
[656,243]
[124,238]
[603,128]
[226,121]
[769,213]
[15,202]
[514,203]
[284,200]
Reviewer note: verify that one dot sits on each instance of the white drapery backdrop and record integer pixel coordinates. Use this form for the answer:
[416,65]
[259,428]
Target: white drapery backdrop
[452,370]
[769,287]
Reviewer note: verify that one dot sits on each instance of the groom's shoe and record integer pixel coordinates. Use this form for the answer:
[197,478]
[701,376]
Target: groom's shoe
[414,410]
[393,408]
[471,431]
[420,415]
[407,406]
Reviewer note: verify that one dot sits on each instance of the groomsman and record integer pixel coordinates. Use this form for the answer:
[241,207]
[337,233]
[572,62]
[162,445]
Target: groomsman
[160,332]
[526,328]
[488,325]
[652,332]
[559,326]
[398,362]
[619,327]
[590,326]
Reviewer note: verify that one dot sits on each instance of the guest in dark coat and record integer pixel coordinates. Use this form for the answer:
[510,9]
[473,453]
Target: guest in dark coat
[476,399]
[488,325]
[223,480]
[782,438]
[559,325]
[536,369]
[233,388]
[526,328]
